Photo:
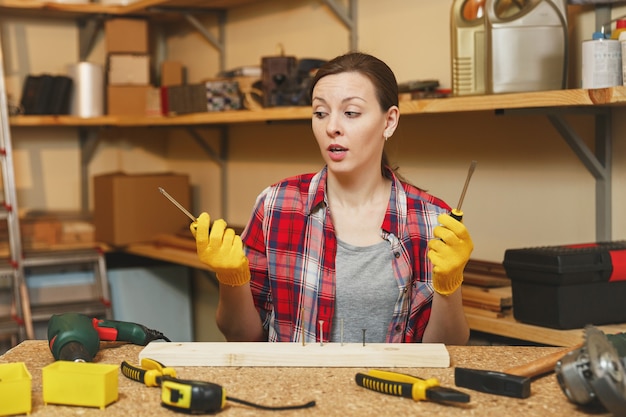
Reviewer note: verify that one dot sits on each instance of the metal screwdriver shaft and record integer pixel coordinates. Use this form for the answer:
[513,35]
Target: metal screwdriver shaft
[457,213]
[177,204]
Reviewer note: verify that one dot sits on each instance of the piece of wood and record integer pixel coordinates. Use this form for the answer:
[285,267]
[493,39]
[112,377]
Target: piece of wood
[479,311]
[385,355]
[540,366]
[169,254]
[494,299]
[485,274]
[483,280]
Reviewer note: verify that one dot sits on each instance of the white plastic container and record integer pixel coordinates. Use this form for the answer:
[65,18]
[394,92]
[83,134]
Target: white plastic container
[88,91]
[467,23]
[527,45]
[601,62]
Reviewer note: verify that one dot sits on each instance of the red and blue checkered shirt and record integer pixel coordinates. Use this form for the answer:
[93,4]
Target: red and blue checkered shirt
[291,246]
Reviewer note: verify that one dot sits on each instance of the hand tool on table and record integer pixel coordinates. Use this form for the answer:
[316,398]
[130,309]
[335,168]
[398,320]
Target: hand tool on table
[595,372]
[177,204]
[76,337]
[409,386]
[457,213]
[516,381]
[188,396]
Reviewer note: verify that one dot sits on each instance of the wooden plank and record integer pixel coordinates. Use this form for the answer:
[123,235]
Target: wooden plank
[347,355]
[477,311]
[168,254]
[560,98]
[485,274]
[483,280]
[494,298]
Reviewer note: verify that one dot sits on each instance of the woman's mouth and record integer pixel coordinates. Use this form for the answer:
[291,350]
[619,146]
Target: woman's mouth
[336,149]
[336,153]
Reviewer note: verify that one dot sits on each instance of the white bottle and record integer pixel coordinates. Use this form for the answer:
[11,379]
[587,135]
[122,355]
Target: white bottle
[527,43]
[601,62]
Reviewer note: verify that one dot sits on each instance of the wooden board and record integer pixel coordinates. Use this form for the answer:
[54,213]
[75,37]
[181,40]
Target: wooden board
[485,274]
[384,355]
[493,299]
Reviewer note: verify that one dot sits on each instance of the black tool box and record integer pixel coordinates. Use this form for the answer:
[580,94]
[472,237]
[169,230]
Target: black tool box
[570,286]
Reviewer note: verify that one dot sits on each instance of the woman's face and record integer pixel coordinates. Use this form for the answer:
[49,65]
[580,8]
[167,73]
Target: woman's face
[348,123]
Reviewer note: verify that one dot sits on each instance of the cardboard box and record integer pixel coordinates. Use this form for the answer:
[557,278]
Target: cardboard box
[172,73]
[569,286]
[129,69]
[129,208]
[126,35]
[128,100]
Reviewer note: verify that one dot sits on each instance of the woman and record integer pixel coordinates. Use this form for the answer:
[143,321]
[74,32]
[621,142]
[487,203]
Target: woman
[351,252]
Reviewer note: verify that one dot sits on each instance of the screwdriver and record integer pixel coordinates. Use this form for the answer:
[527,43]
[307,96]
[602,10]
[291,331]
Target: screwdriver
[457,213]
[177,204]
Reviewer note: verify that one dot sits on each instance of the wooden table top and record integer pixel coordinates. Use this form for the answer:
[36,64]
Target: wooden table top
[333,389]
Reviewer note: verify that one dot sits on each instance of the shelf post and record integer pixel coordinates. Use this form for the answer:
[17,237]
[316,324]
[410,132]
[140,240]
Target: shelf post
[88,139]
[220,159]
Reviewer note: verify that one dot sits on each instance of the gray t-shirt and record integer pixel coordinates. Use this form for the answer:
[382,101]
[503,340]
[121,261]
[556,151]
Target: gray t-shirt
[366,292]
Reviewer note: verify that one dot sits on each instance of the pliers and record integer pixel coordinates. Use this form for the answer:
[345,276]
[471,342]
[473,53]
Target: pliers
[408,386]
[150,373]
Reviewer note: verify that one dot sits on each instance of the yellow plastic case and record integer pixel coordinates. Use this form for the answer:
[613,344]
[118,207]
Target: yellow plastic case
[15,389]
[80,383]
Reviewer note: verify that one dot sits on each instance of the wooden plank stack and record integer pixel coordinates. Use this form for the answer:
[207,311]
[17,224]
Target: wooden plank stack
[486,289]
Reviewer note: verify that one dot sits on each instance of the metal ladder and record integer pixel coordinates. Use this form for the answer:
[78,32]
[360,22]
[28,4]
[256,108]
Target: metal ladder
[97,303]
[19,321]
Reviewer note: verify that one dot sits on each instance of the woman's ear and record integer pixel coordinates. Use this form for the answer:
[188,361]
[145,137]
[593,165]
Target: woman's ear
[391,122]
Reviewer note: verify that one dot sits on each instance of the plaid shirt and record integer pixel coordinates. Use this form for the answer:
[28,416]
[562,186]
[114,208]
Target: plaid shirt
[291,246]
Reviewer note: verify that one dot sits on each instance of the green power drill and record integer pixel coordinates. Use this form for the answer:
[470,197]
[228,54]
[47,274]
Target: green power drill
[76,337]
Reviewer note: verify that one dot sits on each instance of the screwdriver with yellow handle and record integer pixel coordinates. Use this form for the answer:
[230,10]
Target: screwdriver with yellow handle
[457,213]
[408,386]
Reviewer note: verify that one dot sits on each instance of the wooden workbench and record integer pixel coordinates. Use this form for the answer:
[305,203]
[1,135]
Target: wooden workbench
[333,389]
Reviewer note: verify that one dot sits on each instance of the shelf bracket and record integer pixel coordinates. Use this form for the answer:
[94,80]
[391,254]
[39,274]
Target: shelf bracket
[217,42]
[88,30]
[188,14]
[597,161]
[219,158]
[598,164]
[347,17]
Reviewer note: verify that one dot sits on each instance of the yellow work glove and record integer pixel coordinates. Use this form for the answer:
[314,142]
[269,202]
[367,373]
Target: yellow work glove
[449,253]
[221,250]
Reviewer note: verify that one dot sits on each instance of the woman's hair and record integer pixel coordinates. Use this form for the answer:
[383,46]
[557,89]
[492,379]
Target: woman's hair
[379,73]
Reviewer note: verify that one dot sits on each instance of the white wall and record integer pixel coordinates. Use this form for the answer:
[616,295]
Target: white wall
[529,188]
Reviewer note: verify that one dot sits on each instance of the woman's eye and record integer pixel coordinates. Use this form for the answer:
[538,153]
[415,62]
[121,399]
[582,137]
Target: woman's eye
[352,113]
[318,114]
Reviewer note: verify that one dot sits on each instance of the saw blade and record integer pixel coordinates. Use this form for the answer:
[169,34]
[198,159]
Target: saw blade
[608,377]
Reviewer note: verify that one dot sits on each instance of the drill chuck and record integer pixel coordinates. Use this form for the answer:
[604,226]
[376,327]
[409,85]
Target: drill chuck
[74,352]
